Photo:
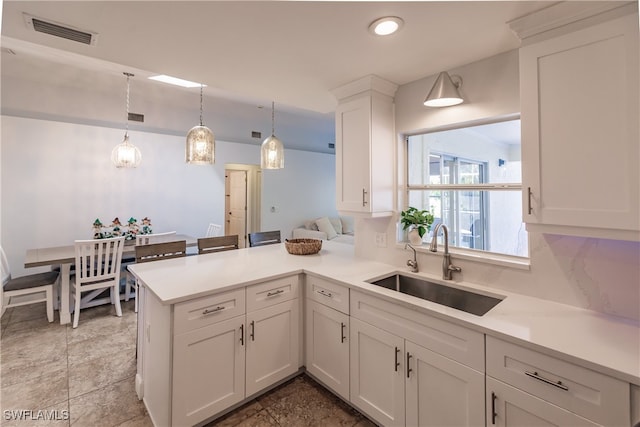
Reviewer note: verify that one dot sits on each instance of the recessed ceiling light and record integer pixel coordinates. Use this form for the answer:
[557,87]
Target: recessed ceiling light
[386,26]
[175,81]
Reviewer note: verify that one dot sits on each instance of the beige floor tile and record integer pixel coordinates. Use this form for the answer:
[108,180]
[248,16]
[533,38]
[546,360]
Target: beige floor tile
[98,326]
[141,421]
[107,407]
[29,312]
[100,346]
[97,373]
[37,393]
[261,419]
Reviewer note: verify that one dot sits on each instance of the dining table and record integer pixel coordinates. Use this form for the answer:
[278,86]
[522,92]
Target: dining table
[65,257]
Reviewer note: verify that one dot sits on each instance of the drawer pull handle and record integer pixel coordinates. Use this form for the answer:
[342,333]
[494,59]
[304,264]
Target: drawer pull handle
[342,337]
[537,376]
[364,194]
[409,356]
[213,310]
[397,364]
[274,293]
[325,293]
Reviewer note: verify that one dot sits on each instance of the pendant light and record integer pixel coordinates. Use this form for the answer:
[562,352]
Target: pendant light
[444,92]
[201,143]
[272,152]
[125,154]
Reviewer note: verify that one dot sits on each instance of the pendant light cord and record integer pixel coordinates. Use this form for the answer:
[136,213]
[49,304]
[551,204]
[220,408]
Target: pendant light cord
[201,86]
[126,132]
[273,119]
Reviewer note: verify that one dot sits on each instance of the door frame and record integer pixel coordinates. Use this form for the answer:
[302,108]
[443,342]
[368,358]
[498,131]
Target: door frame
[254,197]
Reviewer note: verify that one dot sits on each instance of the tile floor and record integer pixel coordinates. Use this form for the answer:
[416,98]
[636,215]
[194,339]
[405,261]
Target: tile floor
[88,374]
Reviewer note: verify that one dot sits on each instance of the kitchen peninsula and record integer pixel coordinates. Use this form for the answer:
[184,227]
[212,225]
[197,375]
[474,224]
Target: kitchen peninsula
[205,318]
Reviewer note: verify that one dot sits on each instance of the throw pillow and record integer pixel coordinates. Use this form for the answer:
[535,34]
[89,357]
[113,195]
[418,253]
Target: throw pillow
[311,225]
[325,226]
[337,224]
[347,224]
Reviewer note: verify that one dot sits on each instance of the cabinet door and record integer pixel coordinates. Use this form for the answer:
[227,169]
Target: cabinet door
[377,374]
[440,391]
[208,371]
[579,101]
[353,134]
[327,343]
[510,407]
[273,351]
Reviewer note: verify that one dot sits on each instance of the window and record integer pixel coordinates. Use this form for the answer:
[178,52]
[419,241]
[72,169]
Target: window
[470,179]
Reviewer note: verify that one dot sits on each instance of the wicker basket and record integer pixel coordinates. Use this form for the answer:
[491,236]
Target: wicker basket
[303,246]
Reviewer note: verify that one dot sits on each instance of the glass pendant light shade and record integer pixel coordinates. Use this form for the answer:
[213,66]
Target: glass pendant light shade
[272,150]
[444,92]
[201,143]
[272,154]
[126,155]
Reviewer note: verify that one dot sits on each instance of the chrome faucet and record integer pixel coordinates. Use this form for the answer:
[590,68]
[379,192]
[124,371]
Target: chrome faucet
[413,263]
[447,267]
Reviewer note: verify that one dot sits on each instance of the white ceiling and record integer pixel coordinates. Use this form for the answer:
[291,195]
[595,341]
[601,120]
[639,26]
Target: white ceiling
[250,53]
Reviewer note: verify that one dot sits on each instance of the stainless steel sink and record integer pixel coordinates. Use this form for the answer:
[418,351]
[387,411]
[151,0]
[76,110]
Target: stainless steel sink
[459,299]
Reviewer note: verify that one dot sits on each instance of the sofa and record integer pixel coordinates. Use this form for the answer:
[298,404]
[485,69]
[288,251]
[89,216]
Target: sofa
[337,229]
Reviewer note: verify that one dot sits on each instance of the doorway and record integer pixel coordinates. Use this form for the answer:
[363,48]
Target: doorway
[243,184]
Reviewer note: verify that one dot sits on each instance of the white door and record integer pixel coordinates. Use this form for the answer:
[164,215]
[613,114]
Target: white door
[208,371]
[510,407]
[236,204]
[441,392]
[327,340]
[273,351]
[377,373]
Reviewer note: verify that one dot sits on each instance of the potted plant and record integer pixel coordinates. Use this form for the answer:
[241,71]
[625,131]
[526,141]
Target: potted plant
[418,222]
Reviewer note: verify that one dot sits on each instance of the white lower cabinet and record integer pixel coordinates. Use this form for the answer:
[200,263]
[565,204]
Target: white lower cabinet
[202,356]
[398,382]
[208,371]
[510,407]
[272,345]
[327,346]
[526,387]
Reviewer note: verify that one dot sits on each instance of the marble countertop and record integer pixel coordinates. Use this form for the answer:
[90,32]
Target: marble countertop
[590,339]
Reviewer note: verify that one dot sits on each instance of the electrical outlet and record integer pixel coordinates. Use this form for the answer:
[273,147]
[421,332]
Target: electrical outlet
[381,240]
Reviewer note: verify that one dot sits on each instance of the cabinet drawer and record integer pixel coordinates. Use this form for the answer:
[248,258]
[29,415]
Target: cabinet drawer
[272,292]
[328,293]
[595,396]
[455,342]
[204,311]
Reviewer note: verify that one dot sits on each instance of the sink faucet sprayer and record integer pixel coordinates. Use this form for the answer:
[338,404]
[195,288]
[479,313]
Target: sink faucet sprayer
[413,263]
[447,267]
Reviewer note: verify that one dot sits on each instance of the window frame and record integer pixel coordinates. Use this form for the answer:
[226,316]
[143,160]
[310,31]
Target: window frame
[480,255]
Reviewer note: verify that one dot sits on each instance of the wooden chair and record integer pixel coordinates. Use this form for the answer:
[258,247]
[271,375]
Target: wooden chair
[98,265]
[208,245]
[264,238]
[157,252]
[33,284]
[214,230]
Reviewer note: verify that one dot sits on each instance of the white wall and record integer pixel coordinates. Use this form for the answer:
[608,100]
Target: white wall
[57,178]
[601,275]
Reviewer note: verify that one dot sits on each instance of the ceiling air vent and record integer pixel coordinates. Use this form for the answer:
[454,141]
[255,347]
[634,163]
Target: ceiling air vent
[136,117]
[60,30]
[256,134]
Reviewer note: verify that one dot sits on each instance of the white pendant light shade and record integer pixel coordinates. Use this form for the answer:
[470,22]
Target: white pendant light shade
[125,154]
[444,92]
[201,143]
[272,154]
[272,150]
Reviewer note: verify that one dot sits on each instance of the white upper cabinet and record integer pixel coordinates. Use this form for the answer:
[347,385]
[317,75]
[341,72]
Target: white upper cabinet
[365,147]
[579,100]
